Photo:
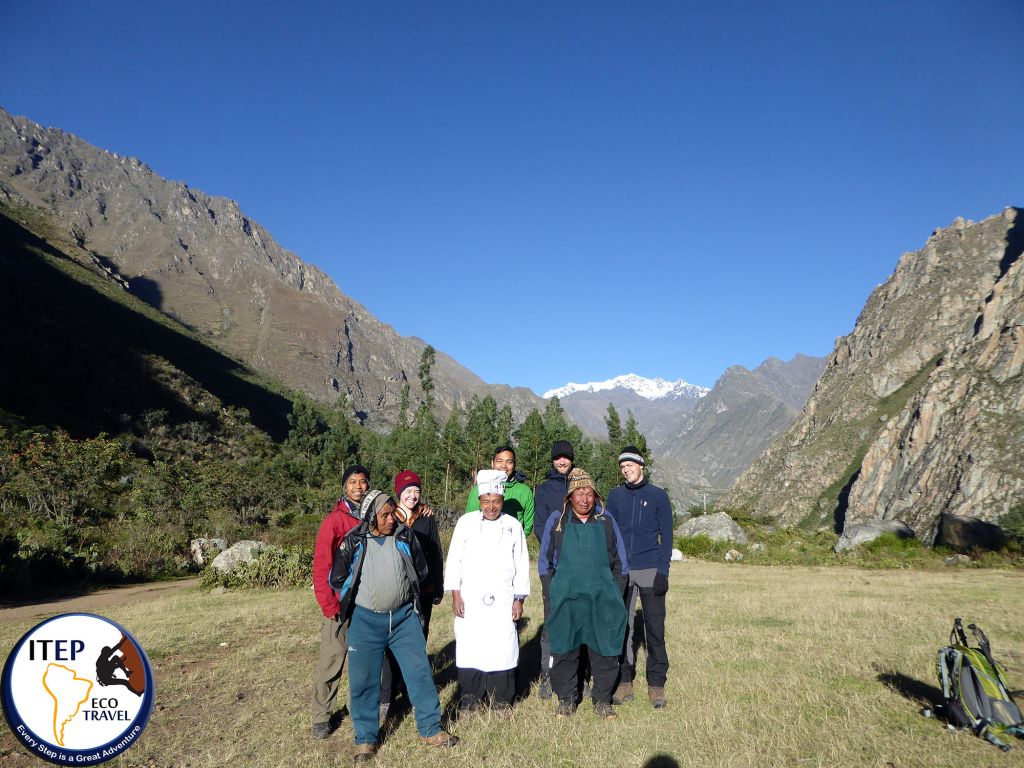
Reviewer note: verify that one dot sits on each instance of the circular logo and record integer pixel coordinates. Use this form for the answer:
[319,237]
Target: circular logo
[77,689]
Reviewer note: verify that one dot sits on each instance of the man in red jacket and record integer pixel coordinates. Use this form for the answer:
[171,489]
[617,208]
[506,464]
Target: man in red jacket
[334,627]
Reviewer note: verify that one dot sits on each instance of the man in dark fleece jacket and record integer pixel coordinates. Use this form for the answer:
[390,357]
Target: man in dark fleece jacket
[644,515]
[547,500]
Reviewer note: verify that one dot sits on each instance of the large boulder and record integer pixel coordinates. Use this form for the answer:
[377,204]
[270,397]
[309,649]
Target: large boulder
[203,550]
[717,527]
[856,534]
[966,533]
[242,552]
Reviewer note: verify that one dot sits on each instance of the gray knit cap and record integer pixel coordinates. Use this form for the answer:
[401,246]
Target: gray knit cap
[371,504]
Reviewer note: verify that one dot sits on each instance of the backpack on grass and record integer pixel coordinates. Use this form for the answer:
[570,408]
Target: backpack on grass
[974,689]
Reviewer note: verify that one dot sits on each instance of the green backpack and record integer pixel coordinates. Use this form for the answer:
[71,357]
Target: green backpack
[974,689]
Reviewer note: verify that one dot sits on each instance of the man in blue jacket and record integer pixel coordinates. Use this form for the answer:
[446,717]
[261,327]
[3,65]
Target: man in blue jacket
[644,515]
[549,498]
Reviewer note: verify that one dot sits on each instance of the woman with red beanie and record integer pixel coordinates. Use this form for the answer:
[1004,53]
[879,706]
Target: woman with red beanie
[411,513]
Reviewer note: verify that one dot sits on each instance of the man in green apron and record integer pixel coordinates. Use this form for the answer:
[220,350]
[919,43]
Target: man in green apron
[583,565]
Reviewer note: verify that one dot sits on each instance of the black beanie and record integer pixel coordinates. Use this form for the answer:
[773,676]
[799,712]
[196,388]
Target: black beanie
[562,448]
[355,469]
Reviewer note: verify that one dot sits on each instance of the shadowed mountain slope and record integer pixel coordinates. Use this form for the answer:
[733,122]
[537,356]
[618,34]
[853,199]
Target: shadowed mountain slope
[81,353]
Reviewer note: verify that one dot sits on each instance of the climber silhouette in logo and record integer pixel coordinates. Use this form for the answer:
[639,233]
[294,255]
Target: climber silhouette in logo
[121,665]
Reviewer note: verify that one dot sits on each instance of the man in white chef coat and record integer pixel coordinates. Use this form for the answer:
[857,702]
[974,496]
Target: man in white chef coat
[488,574]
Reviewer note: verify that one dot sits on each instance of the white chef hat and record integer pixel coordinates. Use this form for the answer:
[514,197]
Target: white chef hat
[490,481]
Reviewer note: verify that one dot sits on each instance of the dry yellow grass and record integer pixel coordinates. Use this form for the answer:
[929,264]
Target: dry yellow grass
[770,667]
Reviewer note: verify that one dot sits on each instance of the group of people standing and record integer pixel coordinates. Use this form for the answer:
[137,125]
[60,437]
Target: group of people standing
[378,570]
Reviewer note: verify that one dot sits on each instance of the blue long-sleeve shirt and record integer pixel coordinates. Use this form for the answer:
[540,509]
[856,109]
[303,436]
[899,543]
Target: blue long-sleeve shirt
[644,515]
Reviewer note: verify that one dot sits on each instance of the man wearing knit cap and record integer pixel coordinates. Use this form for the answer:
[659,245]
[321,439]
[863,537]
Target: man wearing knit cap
[488,574]
[644,515]
[583,564]
[378,571]
[331,661]
[548,499]
[412,512]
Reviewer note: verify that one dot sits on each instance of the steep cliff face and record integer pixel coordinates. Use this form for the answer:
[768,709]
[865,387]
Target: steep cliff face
[201,260]
[919,410]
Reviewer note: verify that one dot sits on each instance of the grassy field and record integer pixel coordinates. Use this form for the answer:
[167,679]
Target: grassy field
[783,666]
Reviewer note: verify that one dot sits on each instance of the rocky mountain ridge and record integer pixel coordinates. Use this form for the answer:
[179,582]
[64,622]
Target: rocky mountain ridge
[920,410]
[740,417]
[201,260]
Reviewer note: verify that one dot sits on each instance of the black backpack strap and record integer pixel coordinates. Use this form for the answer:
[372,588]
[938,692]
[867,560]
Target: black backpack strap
[957,636]
[986,649]
[982,642]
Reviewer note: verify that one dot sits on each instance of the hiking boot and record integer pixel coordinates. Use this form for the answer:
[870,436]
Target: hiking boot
[364,753]
[440,739]
[623,693]
[565,708]
[604,710]
[657,697]
[321,731]
[544,691]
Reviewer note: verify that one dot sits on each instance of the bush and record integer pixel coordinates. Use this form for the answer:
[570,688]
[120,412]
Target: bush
[891,551]
[1012,524]
[143,549]
[271,568]
[703,547]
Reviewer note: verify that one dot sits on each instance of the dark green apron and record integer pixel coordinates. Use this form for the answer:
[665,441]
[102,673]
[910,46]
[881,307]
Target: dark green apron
[586,606]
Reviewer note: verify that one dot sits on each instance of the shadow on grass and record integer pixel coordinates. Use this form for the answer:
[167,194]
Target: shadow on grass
[912,689]
[662,761]
[528,671]
[338,718]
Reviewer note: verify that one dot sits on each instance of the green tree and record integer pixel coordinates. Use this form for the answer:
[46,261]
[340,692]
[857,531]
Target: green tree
[533,452]
[503,426]
[340,447]
[301,453]
[481,432]
[455,461]
[614,425]
[633,436]
[427,360]
[606,465]
[424,450]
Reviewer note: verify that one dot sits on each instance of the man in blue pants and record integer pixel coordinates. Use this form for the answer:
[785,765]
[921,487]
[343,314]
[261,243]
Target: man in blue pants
[377,571]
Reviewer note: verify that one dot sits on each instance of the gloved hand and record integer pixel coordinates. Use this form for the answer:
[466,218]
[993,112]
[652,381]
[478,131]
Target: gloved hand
[660,584]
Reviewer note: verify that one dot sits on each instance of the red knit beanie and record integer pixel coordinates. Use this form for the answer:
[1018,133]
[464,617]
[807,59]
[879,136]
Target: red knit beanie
[404,479]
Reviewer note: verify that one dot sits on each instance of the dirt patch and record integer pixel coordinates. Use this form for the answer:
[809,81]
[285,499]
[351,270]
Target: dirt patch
[95,600]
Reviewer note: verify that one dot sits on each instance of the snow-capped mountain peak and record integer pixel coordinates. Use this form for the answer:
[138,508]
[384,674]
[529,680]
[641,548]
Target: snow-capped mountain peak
[652,389]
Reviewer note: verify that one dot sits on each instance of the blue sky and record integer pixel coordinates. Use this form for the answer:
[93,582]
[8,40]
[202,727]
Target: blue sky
[562,191]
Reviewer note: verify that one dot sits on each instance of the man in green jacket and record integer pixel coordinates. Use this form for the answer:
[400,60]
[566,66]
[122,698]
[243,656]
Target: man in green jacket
[518,496]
